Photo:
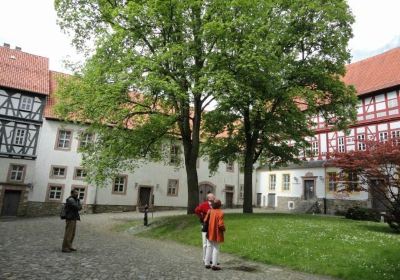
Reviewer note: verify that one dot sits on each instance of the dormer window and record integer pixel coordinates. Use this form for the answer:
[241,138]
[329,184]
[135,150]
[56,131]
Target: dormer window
[26,103]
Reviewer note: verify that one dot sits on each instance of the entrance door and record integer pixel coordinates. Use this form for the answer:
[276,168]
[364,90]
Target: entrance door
[309,189]
[205,189]
[378,194]
[144,196]
[271,200]
[228,199]
[259,199]
[10,203]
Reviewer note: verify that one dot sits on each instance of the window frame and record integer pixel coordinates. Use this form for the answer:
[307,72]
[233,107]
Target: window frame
[83,143]
[176,187]
[332,185]
[272,187]
[51,175]
[285,184]
[83,201]
[49,186]
[230,167]
[19,137]
[76,177]
[125,184]
[10,171]
[22,103]
[56,146]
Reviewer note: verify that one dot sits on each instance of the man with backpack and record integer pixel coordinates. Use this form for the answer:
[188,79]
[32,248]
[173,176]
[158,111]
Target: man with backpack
[72,208]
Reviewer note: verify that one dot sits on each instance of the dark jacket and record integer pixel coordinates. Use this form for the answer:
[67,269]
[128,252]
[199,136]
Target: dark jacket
[72,207]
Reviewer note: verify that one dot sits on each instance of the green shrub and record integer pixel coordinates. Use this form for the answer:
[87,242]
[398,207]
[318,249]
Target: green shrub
[363,214]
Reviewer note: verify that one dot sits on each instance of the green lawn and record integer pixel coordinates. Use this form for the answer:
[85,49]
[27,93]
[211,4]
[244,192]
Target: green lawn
[323,245]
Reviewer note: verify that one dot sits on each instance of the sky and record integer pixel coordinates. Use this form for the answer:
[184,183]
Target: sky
[31,25]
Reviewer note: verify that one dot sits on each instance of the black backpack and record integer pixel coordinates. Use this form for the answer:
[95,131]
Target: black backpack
[63,212]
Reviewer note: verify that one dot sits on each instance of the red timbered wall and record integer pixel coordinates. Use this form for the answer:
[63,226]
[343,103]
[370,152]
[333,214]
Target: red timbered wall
[378,118]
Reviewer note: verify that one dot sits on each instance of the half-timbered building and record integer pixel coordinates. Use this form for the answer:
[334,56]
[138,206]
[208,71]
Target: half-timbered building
[23,90]
[40,162]
[298,187]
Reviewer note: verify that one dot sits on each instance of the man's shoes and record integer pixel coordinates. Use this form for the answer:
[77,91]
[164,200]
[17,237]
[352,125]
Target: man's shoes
[215,268]
[208,266]
[72,249]
[66,251]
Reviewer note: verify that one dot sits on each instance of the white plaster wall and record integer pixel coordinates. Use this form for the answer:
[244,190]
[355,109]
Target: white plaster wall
[154,174]
[5,165]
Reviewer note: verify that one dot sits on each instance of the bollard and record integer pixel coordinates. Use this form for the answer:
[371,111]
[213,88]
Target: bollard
[145,215]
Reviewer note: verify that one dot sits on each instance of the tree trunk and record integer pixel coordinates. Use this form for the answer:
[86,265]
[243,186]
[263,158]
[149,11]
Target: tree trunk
[193,186]
[248,183]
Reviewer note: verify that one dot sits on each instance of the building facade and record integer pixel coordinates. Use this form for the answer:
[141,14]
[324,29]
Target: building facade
[40,162]
[298,187]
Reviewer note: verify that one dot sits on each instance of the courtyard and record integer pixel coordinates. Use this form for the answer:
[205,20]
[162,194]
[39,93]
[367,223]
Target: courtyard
[31,249]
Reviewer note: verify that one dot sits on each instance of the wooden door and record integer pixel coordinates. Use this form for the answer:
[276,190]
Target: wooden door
[10,203]
[144,196]
[205,189]
[309,189]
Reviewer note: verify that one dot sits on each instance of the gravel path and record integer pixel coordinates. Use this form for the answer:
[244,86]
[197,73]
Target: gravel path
[31,249]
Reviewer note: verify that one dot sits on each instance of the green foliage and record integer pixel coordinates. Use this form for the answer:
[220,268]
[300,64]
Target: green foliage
[347,249]
[363,214]
[279,65]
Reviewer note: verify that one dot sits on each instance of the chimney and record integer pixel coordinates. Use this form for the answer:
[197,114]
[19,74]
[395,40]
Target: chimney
[18,48]
[6,45]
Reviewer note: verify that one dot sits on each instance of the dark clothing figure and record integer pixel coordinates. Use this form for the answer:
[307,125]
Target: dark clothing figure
[72,208]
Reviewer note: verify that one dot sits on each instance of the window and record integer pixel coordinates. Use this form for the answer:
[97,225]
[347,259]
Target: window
[19,136]
[120,185]
[241,191]
[64,140]
[286,182]
[79,173]
[352,179]
[383,136]
[341,146]
[229,167]
[172,189]
[81,192]
[55,192]
[396,137]
[313,149]
[332,181]
[26,103]
[272,182]
[85,139]
[361,143]
[174,154]
[58,172]
[16,173]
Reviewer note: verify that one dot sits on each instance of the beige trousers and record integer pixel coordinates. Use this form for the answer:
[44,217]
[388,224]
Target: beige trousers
[70,228]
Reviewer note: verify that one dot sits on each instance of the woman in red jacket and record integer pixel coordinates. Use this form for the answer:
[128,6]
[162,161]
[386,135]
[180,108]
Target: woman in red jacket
[215,235]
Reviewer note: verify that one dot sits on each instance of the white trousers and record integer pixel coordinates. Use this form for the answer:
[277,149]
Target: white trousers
[204,239]
[212,253]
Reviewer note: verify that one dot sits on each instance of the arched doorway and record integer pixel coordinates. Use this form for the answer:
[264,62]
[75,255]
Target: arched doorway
[204,189]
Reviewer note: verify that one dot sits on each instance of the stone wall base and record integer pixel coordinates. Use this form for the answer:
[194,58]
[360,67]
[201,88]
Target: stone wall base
[333,206]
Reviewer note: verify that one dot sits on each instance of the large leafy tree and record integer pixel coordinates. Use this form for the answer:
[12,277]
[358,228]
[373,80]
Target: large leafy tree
[280,65]
[149,78]
[377,170]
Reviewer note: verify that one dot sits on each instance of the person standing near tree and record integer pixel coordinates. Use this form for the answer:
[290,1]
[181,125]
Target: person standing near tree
[201,211]
[72,208]
[215,234]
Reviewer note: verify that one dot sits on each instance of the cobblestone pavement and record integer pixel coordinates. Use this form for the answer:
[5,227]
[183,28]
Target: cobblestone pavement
[31,249]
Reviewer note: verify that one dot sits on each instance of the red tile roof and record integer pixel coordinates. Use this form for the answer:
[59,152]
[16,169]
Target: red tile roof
[24,71]
[51,99]
[375,73]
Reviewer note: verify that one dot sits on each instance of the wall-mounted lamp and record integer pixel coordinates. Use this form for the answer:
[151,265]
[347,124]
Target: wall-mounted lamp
[30,186]
[136,185]
[296,179]
[321,178]
[157,186]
